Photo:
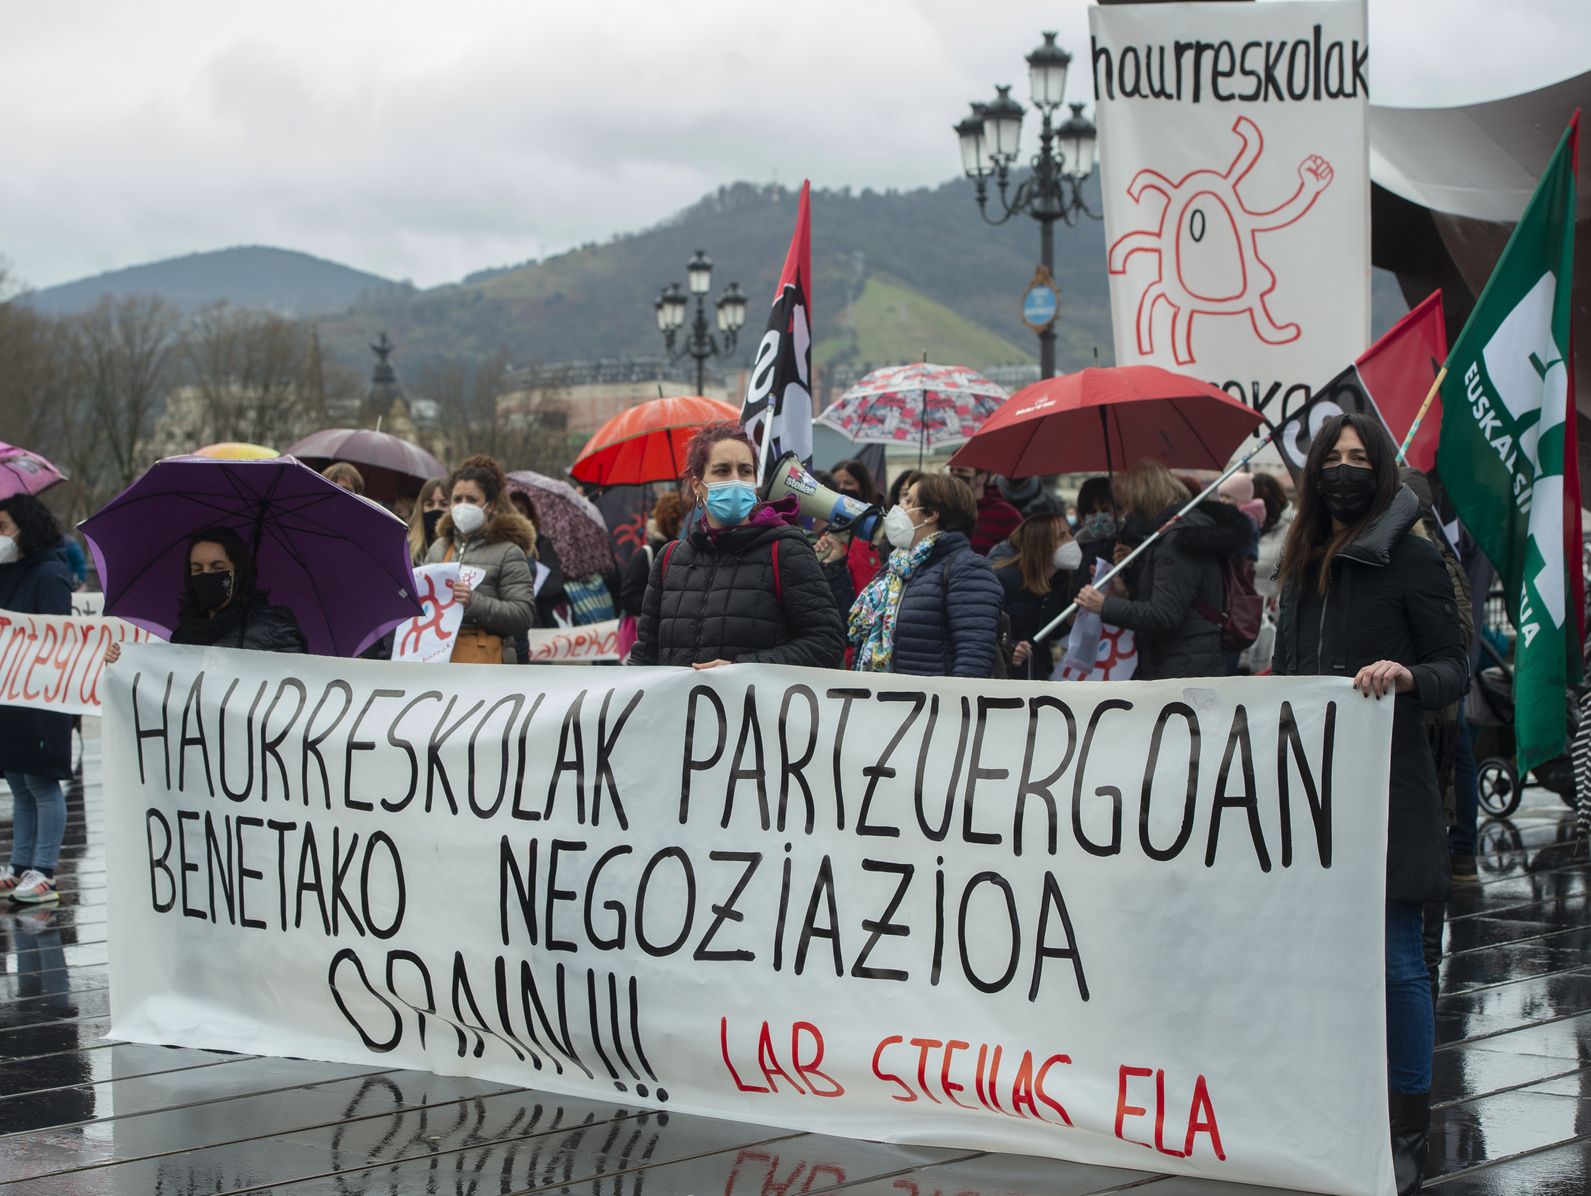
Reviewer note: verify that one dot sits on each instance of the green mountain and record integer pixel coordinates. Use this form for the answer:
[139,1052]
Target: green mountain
[281,280]
[896,274]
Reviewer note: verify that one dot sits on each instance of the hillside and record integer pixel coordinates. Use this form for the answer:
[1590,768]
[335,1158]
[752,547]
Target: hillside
[282,280]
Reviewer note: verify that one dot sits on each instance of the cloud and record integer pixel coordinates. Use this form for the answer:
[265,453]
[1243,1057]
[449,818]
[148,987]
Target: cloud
[423,141]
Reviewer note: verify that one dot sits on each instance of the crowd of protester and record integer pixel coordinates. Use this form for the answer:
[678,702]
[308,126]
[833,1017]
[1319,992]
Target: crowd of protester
[972,576]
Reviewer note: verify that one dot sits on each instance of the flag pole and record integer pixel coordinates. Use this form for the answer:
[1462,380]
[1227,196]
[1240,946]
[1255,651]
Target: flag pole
[1051,627]
[1436,385]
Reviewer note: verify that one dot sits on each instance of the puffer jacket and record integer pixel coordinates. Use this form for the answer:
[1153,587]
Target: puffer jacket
[36,742]
[1181,568]
[1390,599]
[715,597]
[948,623]
[504,601]
[258,627]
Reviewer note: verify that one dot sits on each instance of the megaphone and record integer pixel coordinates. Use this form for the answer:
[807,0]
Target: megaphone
[842,512]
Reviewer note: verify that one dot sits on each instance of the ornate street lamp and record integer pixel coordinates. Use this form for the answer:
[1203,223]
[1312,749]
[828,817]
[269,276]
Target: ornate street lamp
[700,343]
[1053,191]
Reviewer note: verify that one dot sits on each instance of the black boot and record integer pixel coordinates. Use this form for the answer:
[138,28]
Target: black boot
[1411,1127]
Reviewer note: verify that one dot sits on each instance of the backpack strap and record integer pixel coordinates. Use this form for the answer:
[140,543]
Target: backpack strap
[668,551]
[778,589]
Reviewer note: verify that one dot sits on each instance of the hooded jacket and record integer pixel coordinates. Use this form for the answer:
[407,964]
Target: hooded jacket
[715,597]
[503,601]
[1181,568]
[1390,599]
[36,742]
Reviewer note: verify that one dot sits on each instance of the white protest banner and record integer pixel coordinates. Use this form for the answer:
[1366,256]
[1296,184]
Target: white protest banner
[53,662]
[428,637]
[1095,652]
[1234,168]
[88,602]
[1061,920]
[575,645]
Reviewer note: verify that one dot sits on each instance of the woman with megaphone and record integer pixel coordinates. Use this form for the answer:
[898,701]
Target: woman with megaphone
[743,585]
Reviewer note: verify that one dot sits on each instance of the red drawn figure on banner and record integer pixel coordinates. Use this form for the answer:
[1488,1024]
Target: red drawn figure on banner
[434,606]
[1207,244]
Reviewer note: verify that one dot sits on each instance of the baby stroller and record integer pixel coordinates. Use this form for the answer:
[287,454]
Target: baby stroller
[1490,714]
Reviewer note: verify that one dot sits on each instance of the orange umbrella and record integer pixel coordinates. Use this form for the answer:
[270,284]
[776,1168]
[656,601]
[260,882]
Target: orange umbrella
[236,450]
[647,442]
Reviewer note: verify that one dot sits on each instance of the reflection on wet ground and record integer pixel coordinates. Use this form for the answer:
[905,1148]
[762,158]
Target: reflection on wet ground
[83,1117]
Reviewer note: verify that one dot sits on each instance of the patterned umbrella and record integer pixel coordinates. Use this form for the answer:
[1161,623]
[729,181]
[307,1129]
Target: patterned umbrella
[931,406]
[24,472]
[570,520]
[647,442]
[236,450]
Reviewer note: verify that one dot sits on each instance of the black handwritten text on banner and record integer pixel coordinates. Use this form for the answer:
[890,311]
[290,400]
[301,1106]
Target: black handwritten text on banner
[1061,920]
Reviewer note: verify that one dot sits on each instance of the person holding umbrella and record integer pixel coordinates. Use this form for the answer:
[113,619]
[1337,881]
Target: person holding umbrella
[743,585]
[1365,595]
[482,529]
[35,745]
[221,605]
[1177,591]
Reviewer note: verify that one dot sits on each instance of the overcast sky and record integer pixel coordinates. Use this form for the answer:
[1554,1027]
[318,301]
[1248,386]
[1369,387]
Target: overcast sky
[423,140]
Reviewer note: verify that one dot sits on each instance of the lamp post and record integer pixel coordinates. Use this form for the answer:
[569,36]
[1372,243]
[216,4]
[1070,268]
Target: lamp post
[700,342]
[1054,189]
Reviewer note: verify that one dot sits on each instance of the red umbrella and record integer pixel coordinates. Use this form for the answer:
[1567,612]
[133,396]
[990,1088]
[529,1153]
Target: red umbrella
[1107,419]
[647,442]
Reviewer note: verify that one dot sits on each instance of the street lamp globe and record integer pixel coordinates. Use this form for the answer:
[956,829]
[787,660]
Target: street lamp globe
[1047,68]
[731,309]
[1002,125]
[974,151]
[662,311]
[1079,142]
[674,303]
[699,273]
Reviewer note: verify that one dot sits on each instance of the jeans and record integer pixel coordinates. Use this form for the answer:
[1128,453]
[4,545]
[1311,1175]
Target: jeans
[1466,792]
[38,821]
[1411,1016]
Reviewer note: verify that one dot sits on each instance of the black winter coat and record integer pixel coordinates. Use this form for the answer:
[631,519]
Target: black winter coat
[36,742]
[1390,599]
[1030,613]
[717,600]
[259,628]
[1184,565]
[949,630]
[636,573]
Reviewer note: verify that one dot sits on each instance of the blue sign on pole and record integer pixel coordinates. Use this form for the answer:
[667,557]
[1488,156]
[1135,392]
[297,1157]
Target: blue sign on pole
[1039,305]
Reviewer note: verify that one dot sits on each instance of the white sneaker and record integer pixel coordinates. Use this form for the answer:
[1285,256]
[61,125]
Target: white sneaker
[8,878]
[35,888]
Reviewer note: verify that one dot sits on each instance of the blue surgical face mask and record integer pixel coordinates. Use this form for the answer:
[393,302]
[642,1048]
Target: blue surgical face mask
[730,503]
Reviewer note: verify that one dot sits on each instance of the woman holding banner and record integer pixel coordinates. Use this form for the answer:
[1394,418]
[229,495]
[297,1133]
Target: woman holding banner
[482,529]
[1365,595]
[35,745]
[743,585]
[1037,567]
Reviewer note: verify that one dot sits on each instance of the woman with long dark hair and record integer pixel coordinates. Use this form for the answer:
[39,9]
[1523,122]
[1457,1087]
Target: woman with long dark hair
[743,584]
[1366,595]
[429,507]
[35,745]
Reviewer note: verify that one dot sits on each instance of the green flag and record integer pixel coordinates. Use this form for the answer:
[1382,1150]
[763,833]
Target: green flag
[1508,455]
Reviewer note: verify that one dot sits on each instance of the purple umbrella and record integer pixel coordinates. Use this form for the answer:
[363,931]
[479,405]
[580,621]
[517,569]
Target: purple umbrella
[340,562]
[570,520]
[24,472]
[390,464]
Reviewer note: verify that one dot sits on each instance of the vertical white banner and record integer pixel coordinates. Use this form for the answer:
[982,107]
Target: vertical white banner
[1234,166]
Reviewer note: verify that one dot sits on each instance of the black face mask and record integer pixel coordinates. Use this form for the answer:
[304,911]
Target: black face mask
[431,519]
[210,590]
[1347,490]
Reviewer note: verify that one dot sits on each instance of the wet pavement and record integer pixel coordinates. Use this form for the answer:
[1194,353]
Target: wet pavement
[81,1116]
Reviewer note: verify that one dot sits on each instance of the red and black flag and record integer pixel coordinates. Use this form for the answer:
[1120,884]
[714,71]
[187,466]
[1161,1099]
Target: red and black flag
[777,412]
[1389,380]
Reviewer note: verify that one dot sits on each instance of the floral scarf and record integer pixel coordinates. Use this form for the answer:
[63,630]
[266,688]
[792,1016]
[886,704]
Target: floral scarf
[872,624]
